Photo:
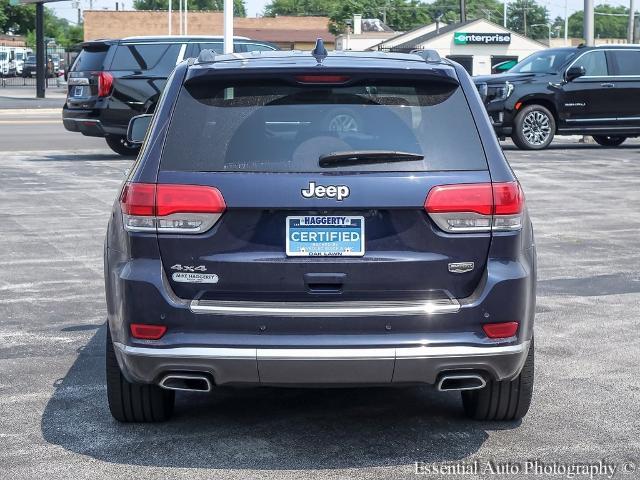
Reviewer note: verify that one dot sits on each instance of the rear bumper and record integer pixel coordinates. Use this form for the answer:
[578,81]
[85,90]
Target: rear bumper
[322,366]
[89,122]
[319,342]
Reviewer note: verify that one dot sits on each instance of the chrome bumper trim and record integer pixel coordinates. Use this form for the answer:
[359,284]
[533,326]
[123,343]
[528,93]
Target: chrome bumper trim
[213,353]
[325,309]
[218,353]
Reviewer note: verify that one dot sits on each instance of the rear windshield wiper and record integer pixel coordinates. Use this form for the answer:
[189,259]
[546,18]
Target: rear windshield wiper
[361,157]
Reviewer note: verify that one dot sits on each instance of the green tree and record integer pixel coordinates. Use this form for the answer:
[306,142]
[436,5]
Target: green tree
[534,13]
[239,9]
[21,20]
[401,15]
[301,7]
[450,10]
[557,26]
[605,26]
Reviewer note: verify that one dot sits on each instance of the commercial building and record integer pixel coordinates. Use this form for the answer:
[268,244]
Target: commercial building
[298,33]
[476,44]
[364,33]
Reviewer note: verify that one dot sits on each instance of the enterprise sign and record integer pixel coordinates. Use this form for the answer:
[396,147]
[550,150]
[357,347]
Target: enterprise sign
[461,38]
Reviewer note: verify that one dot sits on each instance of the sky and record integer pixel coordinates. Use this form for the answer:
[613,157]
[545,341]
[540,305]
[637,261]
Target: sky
[255,7]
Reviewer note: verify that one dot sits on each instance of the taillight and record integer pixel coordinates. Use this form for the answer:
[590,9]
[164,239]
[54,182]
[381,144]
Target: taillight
[476,207]
[500,330]
[168,208]
[147,332]
[105,82]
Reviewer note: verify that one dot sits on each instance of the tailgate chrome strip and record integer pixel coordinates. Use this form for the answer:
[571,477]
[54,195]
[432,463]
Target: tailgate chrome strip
[399,353]
[325,309]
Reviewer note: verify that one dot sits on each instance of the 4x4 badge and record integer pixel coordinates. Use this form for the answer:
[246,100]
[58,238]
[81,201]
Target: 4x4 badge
[339,192]
[461,267]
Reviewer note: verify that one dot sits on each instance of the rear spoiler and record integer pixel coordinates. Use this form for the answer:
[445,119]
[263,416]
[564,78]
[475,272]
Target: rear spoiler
[97,44]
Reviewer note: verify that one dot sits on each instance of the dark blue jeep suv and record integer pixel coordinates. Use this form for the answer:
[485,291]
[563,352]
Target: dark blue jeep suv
[304,219]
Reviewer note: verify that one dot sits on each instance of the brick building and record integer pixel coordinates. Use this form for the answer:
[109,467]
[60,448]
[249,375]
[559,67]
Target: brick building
[286,32]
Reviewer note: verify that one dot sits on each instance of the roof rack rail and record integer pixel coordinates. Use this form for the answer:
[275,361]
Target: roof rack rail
[427,55]
[206,56]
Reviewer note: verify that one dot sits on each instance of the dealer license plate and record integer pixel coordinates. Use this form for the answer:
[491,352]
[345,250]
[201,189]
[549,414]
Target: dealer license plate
[325,236]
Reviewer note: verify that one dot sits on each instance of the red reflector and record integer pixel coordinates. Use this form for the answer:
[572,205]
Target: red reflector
[508,198]
[500,330]
[473,197]
[188,199]
[105,82]
[138,199]
[322,78]
[147,332]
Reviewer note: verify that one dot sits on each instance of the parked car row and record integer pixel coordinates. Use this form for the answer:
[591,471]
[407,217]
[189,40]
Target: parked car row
[12,60]
[565,91]
[112,81]
[53,68]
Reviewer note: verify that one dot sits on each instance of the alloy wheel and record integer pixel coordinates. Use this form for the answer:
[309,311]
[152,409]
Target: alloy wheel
[536,127]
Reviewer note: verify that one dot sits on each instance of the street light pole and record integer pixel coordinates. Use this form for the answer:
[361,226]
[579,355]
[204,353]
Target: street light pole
[170,16]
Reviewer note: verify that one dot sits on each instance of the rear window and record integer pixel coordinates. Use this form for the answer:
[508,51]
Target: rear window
[88,59]
[276,127]
[141,57]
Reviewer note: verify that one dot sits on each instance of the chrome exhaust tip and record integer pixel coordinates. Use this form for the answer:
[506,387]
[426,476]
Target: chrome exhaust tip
[460,381]
[186,382]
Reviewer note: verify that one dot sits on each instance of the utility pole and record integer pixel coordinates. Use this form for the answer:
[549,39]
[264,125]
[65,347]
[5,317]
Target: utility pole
[180,17]
[186,20]
[632,22]
[588,23]
[566,23]
[228,26]
[41,54]
[463,13]
[170,16]
[504,13]
[524,12]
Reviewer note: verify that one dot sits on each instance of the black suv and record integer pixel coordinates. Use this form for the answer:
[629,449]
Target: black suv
[112,81]
[565,91]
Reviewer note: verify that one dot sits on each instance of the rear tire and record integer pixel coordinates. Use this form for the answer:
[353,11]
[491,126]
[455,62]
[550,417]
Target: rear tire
[119,144]
[609,140]
[534,128]
[132,402]
[506,400]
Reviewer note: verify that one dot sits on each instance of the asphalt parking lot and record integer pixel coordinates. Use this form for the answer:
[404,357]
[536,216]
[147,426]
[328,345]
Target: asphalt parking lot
[57,190]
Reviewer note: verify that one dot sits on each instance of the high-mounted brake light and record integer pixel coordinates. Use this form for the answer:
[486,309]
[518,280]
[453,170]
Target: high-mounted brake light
[322,78]
[147,332]
[500,330]
[168,208]
[105,82]
[476,207]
